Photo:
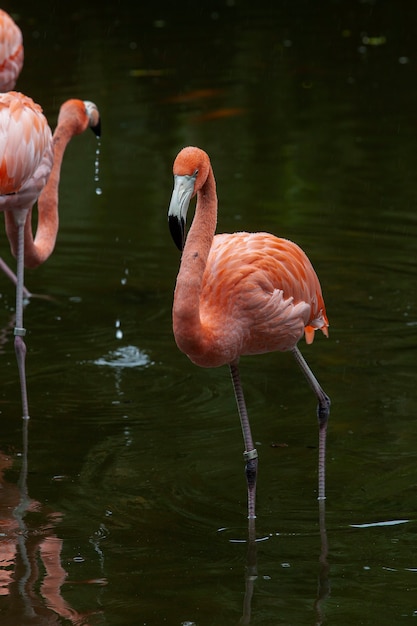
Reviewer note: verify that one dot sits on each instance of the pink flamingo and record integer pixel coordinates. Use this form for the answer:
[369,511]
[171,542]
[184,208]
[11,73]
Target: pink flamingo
[11,52]
[11,63]
[240,294]
[30,165]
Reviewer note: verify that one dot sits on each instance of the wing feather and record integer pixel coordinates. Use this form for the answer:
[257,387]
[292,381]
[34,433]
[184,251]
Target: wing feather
[263,289]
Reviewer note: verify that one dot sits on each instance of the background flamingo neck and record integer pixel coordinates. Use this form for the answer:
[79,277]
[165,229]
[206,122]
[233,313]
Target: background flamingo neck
[38,249]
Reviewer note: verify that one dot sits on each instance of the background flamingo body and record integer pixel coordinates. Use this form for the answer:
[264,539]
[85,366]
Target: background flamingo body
[11,52]
[239,294]
[24,138]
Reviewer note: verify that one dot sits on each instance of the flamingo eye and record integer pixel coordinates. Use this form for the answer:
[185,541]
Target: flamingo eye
[195,174]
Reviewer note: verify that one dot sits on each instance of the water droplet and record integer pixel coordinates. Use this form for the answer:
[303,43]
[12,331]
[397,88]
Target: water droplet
[119,332]
[99,191]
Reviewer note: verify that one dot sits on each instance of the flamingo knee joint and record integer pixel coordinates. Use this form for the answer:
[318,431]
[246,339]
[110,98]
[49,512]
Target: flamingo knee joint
[248,455]
[19,332]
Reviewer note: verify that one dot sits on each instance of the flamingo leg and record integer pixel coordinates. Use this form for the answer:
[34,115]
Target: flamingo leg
[323,412]
[250,454]
[19,330]
[10,274]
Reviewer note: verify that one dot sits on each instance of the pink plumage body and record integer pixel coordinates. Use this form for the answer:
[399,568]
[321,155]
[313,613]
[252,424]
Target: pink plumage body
[25,136]
[259,293]
[11,52]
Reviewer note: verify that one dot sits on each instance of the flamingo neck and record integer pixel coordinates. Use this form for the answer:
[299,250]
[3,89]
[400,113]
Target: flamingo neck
[189,332]
[38,249]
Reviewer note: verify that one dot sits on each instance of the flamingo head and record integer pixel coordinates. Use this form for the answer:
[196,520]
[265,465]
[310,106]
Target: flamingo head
[191,170]
[79,115]
[93,115]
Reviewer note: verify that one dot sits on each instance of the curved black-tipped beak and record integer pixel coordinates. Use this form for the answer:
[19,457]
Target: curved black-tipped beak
[177,212]
[97,128]
[93,115]
[177,230]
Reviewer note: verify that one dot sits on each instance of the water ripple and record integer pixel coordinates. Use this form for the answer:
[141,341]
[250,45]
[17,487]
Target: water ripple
[127,356]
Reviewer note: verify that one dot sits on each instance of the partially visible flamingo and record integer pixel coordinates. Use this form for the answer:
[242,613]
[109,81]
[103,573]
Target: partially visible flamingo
[239,294]
[11,52]
[11,63]
[30,165]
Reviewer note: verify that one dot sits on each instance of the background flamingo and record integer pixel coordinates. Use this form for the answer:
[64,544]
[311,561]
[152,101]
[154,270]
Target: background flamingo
[30,165]
[11,63]
[11,52]
[241,293]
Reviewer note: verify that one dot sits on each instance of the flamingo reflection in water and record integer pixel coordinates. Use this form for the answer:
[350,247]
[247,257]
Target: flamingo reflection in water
[323,583]
[25,597]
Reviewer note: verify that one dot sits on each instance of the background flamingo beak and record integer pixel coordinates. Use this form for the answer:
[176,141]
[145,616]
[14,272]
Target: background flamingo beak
[93,117]
[97,128]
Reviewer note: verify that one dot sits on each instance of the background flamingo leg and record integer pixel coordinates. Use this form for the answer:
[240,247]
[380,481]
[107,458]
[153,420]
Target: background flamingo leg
[19,330]
[10,274]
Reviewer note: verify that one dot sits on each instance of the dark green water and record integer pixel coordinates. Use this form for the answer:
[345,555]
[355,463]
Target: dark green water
[135,470]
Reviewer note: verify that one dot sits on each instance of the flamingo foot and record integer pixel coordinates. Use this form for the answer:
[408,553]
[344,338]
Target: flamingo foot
[323,409]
